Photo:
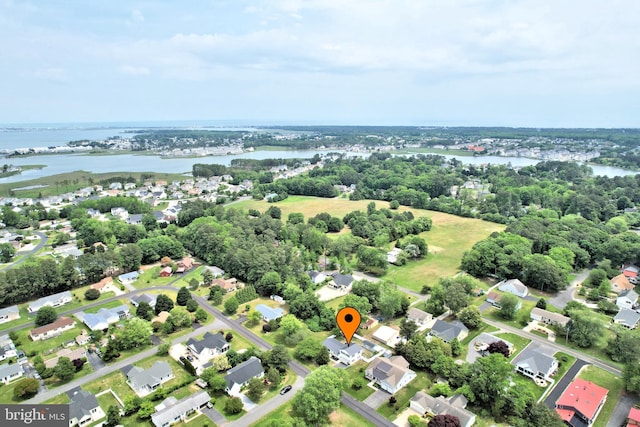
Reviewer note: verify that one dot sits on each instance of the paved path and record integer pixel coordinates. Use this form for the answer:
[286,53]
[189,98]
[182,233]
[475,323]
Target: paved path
[620,412]
[563,297]
[561,385]
[377,399]
[214,416]
[25,255]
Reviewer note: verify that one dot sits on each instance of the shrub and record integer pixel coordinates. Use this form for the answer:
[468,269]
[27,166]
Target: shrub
[92,294]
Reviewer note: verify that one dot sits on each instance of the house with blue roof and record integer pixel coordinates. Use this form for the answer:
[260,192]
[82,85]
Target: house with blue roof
[54,301]
[128,277]
[269,313]
[104,317]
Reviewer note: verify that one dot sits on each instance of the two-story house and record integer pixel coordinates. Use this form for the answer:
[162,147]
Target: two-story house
[210,346]
[347,354]
[83,408]
[391,374]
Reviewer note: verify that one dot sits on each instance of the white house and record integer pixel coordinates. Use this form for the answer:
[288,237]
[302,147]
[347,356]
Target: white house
[128,277]
[52,329]
[387,335]
[341,282]
[533,363]
[171,410]
[347,354]
[419,317]
[455,405]
[210,346]
[240,375]
[627,299]
[269,313]
[7,348]
[514,286]
[627,318]
[104,317]
[148,298]
[317,277]
[145,381]
[391,374]
[548,317]
[10,372]
[9,313]
[54,301]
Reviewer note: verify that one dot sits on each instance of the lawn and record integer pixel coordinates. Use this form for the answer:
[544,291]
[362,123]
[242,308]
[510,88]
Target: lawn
[49,346]
[527,383]
[343,417]
[60,399]
[446,242]
[6,392]
[24,318]
[111,304]
[115,381]
[518,342]
[289,379]
[106,400]
[421,382]
[354,372]
[610,382]
[565,361]
[151,278]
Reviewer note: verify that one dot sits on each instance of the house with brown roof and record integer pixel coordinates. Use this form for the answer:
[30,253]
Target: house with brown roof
[166,272]
[226,285]
[52,329]
[621,283]
[391,374]
[103,284]
[78,353]
[184,265]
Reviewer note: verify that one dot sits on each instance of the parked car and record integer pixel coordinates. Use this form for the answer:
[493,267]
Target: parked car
[286,389]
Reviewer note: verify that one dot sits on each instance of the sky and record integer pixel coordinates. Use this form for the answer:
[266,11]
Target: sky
[534,63]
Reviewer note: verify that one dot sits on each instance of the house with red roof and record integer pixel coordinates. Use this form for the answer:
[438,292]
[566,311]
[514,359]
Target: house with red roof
[581,402]
[634,417]
[631,273]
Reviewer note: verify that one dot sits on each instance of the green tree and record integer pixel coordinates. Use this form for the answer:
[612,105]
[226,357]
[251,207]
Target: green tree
[144,311]
[64,369]
[435,304]
[215,295]
[408,328]
[130,257]
[91,294]
[135,333]
[113,416]
[541,272]
[269,284]
[273,376]
[278,357]
[470,317]
[361,304]
[233,405]
[192,306]
[289,325]
[207,277]
[585,329]
[624,347]
[320,395]
[183,296]
[456,297]
[456,347]
[7,251]
[45,316]
[231,305]
[489,378]
[26,389]
[255,389]
[214,380]
[509,306]
[254,317]
[146,409]
[200,315]
[631,377]
[163,349]
[308,349]
[163,303]
[542,303]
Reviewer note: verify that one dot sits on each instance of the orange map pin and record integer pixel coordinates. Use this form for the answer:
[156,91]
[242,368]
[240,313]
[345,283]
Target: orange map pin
[348,319]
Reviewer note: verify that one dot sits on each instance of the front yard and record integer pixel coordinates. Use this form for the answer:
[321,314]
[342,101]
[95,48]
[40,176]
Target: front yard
[421,382]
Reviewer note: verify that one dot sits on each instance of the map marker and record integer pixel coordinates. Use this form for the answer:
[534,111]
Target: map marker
[348,319]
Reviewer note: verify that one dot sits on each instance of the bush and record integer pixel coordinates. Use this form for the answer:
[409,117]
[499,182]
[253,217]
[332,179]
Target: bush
[92,294]
[233,406]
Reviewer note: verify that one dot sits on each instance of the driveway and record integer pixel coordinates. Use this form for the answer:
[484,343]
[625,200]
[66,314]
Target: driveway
[561,299]
[561,385]
[620,412]
[215,416]
[485,306]
[377,399]
[95,361]
[156,340]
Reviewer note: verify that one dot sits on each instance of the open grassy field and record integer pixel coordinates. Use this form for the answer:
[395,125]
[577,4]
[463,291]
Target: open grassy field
[610,382]
[344,417]
[448,239]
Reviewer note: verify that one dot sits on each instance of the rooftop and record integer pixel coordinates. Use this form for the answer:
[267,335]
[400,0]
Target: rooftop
[583,396]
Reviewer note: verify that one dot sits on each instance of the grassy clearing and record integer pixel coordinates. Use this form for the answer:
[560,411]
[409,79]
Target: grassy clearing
[354,372]
[565,362]
[610,382]
[421,382]
[60,399]
[111,304]
[518,342]
[446,241]
[106,400]
[344,417]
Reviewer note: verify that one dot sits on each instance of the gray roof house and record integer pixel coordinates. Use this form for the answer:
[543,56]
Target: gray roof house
[627,299]
[55,300]
[515,287]
[422,403]
[317,276]
[104,317]
[269,313]
[391,374]
[148,298]
[9,313]
[419,317]
[533,363]
[9,372]
[341,281]
[135,219]
[240,375]
[210,346]
[171,411]
[84,408]
[347,354]
[627,318]
[145,381]
[128,277]
[448,331]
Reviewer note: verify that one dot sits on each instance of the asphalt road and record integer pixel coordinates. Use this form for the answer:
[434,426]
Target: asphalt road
[563,297]
[561,385]
[25,255]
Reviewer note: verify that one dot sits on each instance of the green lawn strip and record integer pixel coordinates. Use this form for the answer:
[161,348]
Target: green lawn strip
[115,381]
[565,361]
[518,342]
[289,379]
[421,382]
[200,421]
[610,382]
[527,383]
[106,400]
[24,318]
[6,392]
[283,413]
[354,372]
[111,304]
[49,346]
[540,334]
[343,417]
[599,351]
[60,399]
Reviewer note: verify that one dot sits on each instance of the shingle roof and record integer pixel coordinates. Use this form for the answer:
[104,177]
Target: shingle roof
[149,299]
[343,279]
[415,313]
[447,331]
[535,361]
[8,310]
[209,340]
[148,377]
[7,370]
[82,402]
[389,370]
[244,372]
[440,406]
[59,323]
[630,294]
[36,305]
[177,409]
[627,317]
[336,346]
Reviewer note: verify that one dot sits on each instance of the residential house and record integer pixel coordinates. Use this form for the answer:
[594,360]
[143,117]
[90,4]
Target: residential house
[68,250]
[7,348]
[134,219]
[216,271]
[119,211]
[148,298]
[427,405]
[633,419]
[269,313]
[627,299]
[581,402]
[370,324]
[391,374]
[115,186]
[161,317]
[54,301]
[515,287]
[627,318]
[533,363]
[392,255]
[103,285]
[145,381]
[347,354]
[494,299]
[227,286]
[78,353]
[240,375]
[10,372]
[448,331]
[387,335]
[548,317]
[419,317]
[51,330]
[210,346]
[104,317]
[9,313]
[171,411]
[317,277]
[631,273]
[83,338]
[83,408]
[341,282]
[166,272]
[184,265]
[130,186]
[484,340]
[128,277]
[621,283]
[93,213]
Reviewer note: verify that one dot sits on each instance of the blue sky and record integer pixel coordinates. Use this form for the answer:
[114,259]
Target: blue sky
[543,63]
